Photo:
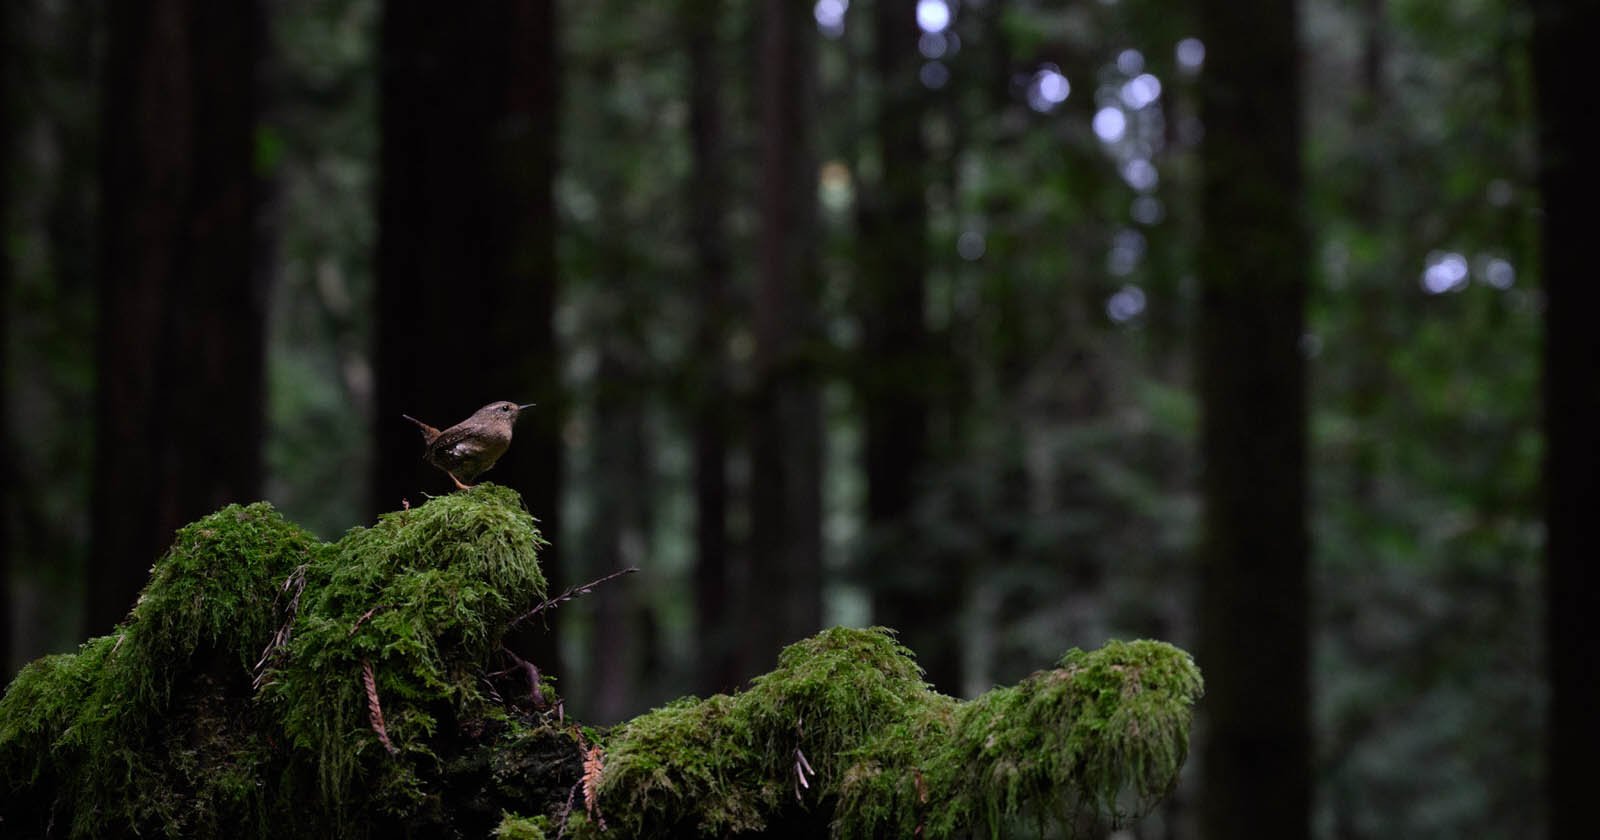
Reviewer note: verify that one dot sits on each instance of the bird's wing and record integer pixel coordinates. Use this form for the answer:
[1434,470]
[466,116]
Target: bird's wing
[458,444]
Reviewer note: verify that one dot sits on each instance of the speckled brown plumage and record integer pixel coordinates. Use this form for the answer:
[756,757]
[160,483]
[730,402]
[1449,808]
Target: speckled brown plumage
[469,448]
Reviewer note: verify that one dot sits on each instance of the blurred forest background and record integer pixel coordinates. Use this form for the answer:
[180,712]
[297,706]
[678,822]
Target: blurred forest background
[1015,325]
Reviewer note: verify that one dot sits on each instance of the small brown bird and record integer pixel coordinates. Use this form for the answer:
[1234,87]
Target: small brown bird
[469,448]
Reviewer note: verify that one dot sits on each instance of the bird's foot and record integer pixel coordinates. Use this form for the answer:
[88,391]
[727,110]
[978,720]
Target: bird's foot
[459,485]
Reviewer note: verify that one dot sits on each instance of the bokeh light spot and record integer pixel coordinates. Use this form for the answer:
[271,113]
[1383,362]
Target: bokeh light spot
[1191,53]
[1048,89]
[1130,62]
[933,15]
[1499,273]
[1125,304]
[1110,124]
[1141,90]
[830,16]
[1148,210]
[1140,174]
[971,245]
[1446,271]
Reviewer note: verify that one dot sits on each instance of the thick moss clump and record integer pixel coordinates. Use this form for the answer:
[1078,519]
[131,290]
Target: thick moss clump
[235,695]
[268,684]
[150,729]
[422,598]
[846,738]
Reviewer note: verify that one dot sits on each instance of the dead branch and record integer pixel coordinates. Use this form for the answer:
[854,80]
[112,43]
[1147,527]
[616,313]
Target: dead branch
[570,594]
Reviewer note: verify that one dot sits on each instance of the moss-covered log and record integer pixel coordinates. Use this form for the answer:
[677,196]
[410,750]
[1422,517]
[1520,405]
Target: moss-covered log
[269,684]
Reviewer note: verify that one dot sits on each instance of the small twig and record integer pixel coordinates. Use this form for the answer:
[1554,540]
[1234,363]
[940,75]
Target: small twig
[572,793]
[296,581]
[802,772]
[802,767]
[570,594]
[366,615]
[374,710]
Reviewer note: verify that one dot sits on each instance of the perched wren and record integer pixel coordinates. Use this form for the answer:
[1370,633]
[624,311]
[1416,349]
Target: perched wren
[469,448]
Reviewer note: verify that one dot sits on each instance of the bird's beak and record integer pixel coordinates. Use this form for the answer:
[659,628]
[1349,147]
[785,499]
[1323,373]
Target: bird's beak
[526,407]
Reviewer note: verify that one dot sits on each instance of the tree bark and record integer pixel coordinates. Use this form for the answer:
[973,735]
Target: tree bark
[467,274]
[1568,179]
[1254,260]
[708,183]
[179,346]
[920,602]
[9,45]
[785,578]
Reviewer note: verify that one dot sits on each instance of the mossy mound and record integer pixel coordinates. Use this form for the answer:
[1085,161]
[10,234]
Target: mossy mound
[234,696]
[269,684]
[844,738]
[420,602]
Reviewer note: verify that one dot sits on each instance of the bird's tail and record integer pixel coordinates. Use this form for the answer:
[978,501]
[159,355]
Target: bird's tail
[428,432]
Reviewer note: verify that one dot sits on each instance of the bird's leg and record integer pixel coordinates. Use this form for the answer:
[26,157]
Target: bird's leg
[458,481]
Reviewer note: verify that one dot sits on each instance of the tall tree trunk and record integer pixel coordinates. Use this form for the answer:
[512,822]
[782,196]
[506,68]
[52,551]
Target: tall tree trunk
[9,46]
[1253,265]
[785,579]
[1569,178]
[920,602]
[708,183]
[466,257]
[179,412]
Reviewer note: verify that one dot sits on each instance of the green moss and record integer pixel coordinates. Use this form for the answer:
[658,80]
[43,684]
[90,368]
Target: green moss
[899,782]
[829,694]
[1101,736]
[149,729]
[424,597]
[43,699]
[517,827]
[163,729]
[685,768]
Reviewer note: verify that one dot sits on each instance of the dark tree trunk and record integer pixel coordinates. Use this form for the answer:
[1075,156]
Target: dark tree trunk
[1569,179]
[9,45]
[785,577]
[179,411]
[920,602]
[466,255]
[708,184]
[1253,266]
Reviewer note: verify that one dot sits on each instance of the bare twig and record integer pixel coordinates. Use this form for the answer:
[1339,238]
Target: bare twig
[366,615]
[566,811]
[374,710]
[802,772]
[802,768]
[570,594]
[296,581]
